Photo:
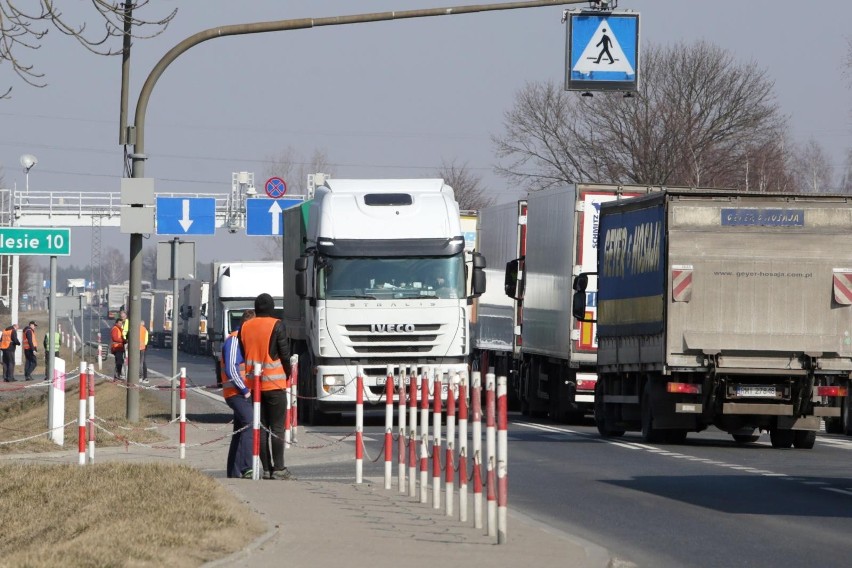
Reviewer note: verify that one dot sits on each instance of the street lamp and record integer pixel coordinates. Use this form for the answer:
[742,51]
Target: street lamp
[28,161]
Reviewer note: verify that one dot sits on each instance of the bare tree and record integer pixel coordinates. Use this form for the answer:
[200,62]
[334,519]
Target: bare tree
[292,168]
[115,267]
[812,168]
[696,120]
[24,29]
[845,183]
[469,191]
[149,264]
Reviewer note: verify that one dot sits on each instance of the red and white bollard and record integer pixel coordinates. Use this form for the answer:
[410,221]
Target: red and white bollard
[359,427]
[490,453]
[294,397]
[424,437]
[463,450]
[91,381]
[81,418]
[476,403]
[451,445]
[412,435]
[256,468]
[100,352]
[401,419]
[502,461]
[287,417]
[183,413]
[436,441]
[389,428]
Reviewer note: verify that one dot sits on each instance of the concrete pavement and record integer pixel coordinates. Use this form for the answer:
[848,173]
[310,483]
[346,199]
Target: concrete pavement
[323,518]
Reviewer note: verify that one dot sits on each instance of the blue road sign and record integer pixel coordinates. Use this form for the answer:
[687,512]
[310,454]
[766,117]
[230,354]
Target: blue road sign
[264,217]
[186,215]
[603,52]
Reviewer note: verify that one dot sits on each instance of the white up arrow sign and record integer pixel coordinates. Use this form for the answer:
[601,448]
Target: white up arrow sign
[275,212]
[185,221]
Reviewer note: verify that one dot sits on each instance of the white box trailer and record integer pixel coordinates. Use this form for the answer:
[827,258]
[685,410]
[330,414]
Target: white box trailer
[161,319]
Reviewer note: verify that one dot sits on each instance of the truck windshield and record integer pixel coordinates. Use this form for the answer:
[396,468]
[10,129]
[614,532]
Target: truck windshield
[399,277]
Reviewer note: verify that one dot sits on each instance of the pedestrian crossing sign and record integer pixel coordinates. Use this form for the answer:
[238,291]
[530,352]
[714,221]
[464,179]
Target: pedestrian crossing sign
[602,51]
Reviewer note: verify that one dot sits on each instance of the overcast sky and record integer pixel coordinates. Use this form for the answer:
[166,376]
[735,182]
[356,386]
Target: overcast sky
[387,99]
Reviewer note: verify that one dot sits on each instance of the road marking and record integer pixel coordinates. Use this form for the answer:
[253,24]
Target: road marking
[836,490]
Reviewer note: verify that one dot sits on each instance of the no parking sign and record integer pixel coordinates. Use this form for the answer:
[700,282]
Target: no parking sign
[275,187]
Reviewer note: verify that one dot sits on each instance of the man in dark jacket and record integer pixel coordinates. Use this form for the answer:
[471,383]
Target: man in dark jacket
[30,350]
[263,342]
[8,342]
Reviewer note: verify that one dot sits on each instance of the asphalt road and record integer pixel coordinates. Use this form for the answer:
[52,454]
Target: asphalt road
[706,503]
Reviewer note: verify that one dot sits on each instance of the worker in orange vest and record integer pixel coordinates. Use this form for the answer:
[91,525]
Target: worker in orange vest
[30,349]
[8,342]
[236,390]
[116,346]
[143,344]
[263,341]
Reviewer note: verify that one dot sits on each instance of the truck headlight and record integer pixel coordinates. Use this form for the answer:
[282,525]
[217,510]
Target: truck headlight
[333,380]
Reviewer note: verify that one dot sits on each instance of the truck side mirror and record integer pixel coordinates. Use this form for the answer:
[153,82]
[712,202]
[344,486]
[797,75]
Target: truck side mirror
[477,283]
[578,306]
[301,266]
[581,282]
[513,283]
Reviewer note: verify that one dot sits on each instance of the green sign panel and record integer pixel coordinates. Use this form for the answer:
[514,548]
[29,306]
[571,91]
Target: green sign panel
[31,241]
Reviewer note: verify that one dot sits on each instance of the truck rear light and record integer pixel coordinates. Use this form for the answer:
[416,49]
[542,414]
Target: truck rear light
[586,384]
[831,391]
[683,388]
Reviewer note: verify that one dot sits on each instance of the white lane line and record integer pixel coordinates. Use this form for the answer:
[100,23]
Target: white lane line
[836,490]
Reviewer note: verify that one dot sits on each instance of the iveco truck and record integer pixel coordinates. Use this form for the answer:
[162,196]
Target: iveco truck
[375,276]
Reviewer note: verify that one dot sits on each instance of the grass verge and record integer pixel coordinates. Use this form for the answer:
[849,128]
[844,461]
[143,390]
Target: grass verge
[118,514]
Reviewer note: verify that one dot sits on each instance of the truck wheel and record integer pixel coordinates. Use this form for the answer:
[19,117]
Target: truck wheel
[804,439]
[218,374]
[781,438]
[600,415]
[650,435]
[745,438]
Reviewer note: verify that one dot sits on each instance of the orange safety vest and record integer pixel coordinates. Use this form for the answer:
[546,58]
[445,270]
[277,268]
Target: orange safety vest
[6,338]
[255,336]
[143,337]
[228,388]
[32,334]
[117,335]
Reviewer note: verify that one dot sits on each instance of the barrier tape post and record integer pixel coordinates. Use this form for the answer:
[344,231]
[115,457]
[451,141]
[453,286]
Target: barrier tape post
[502,461]
[476,400]
[451,445]
[256,468]
[287,417]
[81,419]
[424,437]
[412,435]
[91,381]
[388,427]
[100,353]
[183,413]
[401,419]
[436,440]
[463,449]
[359,427]
[490,453]
[294,396]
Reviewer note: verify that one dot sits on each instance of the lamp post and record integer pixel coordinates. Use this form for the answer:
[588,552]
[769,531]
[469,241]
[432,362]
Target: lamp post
[28,162]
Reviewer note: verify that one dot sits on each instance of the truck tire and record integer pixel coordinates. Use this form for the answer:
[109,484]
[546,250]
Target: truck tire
[600,415]
[841,424]
[745,438]
[781,438]
[804,439]
[650,435]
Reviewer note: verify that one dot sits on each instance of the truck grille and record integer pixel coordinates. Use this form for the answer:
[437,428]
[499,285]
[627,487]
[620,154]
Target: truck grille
[365,342]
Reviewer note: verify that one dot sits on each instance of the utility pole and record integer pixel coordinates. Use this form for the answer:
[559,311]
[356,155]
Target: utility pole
[138,157]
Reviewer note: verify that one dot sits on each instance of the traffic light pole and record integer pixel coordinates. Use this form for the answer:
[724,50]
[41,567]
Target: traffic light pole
[138,156]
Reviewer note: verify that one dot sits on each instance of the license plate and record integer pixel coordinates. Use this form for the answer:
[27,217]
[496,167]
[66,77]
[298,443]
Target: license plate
[758,392]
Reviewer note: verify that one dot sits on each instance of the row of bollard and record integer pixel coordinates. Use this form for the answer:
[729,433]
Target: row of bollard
[86,423]
[496,441]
